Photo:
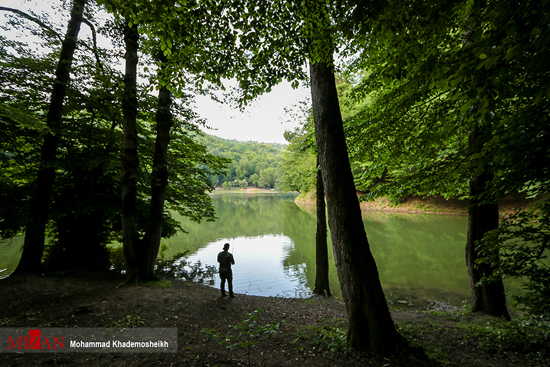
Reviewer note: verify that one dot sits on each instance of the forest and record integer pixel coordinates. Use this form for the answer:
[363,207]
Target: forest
[101,142]
[251,163]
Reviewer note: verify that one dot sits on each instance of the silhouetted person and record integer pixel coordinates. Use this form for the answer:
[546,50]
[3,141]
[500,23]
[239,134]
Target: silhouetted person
[226,260]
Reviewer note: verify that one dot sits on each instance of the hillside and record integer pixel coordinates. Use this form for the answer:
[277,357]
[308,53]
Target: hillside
[252,163]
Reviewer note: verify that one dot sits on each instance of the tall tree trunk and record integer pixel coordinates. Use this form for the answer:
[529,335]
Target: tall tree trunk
[159,181]
[33,247]
[370,326]
[130,162]
[482,217]
[321,252]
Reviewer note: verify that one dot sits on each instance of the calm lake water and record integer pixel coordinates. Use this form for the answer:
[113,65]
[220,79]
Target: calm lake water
[420,257]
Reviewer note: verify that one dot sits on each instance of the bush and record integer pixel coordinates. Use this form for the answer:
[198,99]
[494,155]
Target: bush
[519,248]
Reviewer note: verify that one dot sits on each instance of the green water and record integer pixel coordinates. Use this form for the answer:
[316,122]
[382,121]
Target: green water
[419,257]
[10,254]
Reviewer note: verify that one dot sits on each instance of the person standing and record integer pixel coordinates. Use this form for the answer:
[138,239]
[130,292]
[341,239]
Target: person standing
[226,260]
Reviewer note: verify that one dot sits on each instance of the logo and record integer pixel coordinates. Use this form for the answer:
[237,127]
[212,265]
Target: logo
[88,340]
[36,341]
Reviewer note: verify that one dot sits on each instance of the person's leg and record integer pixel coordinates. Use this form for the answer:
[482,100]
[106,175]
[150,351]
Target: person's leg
[230,284]
[222,284]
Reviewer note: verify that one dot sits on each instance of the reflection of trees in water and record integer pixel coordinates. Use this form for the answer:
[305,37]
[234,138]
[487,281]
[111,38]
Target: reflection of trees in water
[418,256]
[419,249]
[239,215]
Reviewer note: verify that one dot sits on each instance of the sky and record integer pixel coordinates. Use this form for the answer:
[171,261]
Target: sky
[263,120]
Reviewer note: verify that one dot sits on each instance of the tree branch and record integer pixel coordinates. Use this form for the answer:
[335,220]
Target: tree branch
[34,19]
[94,38]
[52,31]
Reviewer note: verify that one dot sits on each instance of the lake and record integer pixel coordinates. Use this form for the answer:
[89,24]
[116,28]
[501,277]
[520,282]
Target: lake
[419,257]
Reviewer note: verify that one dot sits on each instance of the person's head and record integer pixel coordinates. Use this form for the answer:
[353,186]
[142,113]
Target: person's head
[226,247]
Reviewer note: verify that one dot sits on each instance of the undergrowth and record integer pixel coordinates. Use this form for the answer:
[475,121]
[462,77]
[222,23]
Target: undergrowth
[331,335]
[527,336]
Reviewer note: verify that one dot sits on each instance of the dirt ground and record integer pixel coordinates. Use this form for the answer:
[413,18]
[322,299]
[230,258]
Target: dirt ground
[99,300]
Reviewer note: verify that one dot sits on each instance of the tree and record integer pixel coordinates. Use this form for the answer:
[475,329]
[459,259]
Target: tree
[130,161]
[370,326]
[298,163]
[453,102]
[267,178]
[321,253]
[89,148]
[483,216]
[169,27]
[159,181]
[33,247]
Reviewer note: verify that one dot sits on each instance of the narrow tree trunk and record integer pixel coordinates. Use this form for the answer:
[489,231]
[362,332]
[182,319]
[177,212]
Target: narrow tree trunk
[33,247]
[370,326]
[482,217]
[321,253]
[159,182]
[130,238]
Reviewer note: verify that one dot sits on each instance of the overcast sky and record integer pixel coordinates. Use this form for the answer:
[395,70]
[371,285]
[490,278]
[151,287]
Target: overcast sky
[264,120]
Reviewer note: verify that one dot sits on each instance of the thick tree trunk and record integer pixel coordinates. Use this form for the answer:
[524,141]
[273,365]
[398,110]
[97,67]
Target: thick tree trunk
[321,252]
[482,217]
[159,181]
[130,162]
[370,326]
[33,247]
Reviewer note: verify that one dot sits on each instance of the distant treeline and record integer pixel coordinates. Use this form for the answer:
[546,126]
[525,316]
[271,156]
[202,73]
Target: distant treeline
[252,163]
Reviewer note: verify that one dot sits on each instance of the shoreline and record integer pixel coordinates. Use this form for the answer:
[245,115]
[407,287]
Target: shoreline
[426,205]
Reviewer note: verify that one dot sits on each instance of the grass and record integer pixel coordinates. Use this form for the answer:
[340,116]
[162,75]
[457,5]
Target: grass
[330,335]
[130,320]
[494,336]
[158,284]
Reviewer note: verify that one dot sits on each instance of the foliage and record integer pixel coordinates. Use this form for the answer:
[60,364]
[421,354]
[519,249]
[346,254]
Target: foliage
[432,80]
[158,284]
[251,163]
[130,320]
[22,123]
[298,161]
[85,214]
[244,333]
[329,336]
[5,322]
[521,335]
[523,244]
[493,335]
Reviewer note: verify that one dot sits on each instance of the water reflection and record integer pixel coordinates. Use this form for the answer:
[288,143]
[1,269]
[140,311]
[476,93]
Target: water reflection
[419,257]
[259,266]
[9,255]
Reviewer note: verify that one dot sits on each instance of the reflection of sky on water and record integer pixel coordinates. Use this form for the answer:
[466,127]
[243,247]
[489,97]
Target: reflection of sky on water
[259,266]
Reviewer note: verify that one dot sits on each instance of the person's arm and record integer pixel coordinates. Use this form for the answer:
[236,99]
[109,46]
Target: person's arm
[232,260]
